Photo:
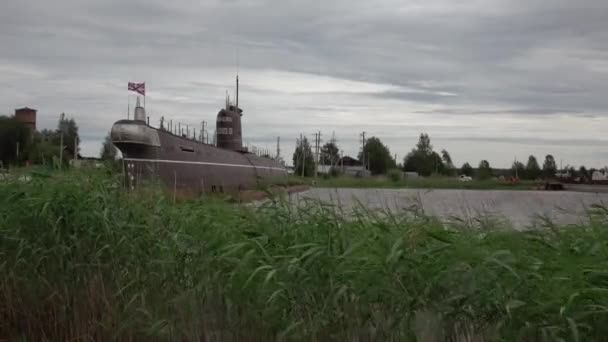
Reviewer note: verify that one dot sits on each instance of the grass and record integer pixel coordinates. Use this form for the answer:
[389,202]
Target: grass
[84,260]
[414,183]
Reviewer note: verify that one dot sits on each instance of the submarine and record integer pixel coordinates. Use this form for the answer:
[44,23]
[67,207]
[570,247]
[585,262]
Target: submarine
[187,164]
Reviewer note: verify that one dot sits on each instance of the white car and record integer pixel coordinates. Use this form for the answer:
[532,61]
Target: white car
[465,178]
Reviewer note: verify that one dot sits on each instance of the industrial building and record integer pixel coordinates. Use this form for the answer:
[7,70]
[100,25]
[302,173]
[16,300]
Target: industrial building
[26,116]
[351,166]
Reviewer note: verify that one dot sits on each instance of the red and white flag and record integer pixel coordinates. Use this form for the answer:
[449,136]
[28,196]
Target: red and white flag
[138,87]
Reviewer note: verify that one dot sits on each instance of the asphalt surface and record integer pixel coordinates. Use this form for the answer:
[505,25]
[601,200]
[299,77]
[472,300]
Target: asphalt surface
[587,188]
[519,209]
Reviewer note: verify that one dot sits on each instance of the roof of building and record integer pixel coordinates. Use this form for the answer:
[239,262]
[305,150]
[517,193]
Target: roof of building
[346,160]
[26,108]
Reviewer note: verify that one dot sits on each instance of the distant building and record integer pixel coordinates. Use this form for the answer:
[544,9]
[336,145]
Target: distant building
[86,162]
[600,175]
[351,166]
[324,169]
[409,174]
[26,116]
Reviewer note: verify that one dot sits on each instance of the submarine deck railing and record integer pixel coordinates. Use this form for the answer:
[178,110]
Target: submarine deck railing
[204,137]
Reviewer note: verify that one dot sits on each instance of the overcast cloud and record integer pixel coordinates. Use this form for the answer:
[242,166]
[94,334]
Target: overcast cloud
[487,79]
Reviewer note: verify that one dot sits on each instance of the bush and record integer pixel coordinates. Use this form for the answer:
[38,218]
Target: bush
[395,175]
[334,171]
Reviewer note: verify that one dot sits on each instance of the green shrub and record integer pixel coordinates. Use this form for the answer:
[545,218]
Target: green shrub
[395,175]
[334,171]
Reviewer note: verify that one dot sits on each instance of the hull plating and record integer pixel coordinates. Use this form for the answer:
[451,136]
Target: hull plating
[189,165]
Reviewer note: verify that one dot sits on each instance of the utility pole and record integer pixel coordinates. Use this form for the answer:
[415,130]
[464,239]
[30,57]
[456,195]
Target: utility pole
[334,159]
[278,148]
[363,149]
[75,148]
[316,153]
[203,131]
[61,150]
[62,127]
[303,151]
[320,152]
[317,146]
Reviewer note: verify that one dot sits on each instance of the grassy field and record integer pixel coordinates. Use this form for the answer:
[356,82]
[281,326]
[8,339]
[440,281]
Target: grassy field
[81,259]
[415,183]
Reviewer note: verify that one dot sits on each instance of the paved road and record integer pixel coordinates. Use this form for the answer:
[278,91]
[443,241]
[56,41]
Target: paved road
[519,208]
[587,188]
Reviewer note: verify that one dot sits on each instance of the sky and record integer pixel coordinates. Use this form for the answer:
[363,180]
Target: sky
[486,79]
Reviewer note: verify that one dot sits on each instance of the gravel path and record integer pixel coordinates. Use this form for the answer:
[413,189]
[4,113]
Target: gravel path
[522,209]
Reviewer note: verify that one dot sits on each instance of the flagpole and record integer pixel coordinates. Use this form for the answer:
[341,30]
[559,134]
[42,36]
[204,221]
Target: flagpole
[128,106]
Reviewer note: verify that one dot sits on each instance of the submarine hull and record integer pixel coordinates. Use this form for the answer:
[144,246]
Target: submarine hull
[188,165]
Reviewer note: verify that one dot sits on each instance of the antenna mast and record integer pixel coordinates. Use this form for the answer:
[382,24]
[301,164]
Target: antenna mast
[237,92]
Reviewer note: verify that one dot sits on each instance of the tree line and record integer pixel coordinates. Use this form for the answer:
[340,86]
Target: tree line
[19,145]
[425,161]
[376,155]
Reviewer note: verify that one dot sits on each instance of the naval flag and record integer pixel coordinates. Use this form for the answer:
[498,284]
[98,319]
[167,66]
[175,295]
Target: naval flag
[138,87]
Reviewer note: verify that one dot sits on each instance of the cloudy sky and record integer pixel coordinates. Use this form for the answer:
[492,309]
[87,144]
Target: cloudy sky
[486,79]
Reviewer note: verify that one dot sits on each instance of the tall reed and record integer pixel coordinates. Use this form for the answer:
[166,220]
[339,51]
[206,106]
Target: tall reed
[83,259]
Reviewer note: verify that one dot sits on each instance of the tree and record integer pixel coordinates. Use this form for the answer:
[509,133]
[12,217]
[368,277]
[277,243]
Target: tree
[466,170]
[447,161]
[533,171]
[518,169]
[424,144]
[44,152]
[329,153]
[583,173]
[13,133]
[437,162]
[71,139]
[377,156]
[484,170]
[303,159]
[549,166]
[108,150]
[414,162]
[423,160]
[571,170]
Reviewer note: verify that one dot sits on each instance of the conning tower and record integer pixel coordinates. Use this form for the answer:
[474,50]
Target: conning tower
[228,125]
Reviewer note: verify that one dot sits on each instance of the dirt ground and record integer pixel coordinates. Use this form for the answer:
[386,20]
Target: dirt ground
[520,209]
